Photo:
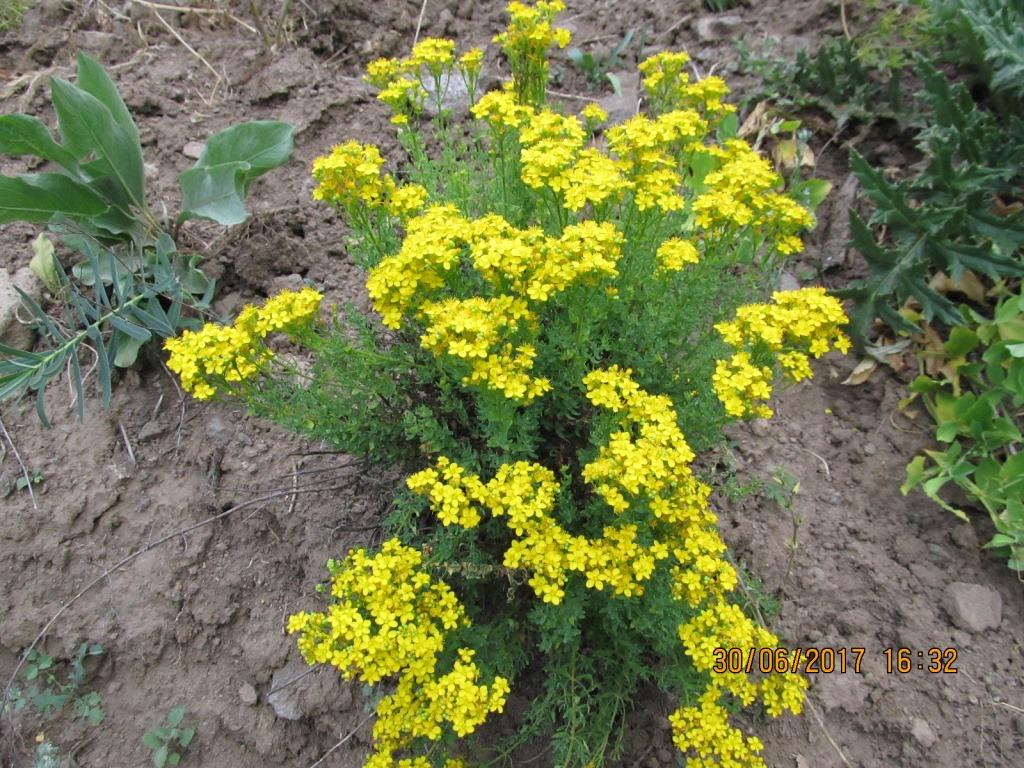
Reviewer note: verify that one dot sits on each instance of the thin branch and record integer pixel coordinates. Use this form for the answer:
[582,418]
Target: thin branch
[198,11]
[416,37]
[821,724]
[344,739]
[24,469]
[191,50]
[286,683]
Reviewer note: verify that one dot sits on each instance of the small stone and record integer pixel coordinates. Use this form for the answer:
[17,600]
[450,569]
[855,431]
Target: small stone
[711,29]
[149,430]
[217,428]
[247,693]
[972,606]
[963,535]
[788,282]
[193,149]
[454,95]
[922,732]
[760,427]
[13,331]
[869,449]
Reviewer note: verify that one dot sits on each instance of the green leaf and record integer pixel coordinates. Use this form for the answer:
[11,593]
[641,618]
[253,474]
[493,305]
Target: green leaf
[127,351]
[811,193]
[130,329]
[89,127]
[37,197]
[215,188]
[175,716]
[916,474]
[961,342]
[160,756]
[94,80]
[174,759]
[186,736]
[27,135]
[1001,540]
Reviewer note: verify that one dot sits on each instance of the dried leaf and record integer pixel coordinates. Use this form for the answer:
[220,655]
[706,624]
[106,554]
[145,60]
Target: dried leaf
[862,372]
[969,285]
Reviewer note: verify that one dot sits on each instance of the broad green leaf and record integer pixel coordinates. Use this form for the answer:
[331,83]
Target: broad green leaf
[1001,540]
[38,197]
[811,193]
[916,474]
[160,756]
[175,716]
[27,135]
[87,126]
[94,80]
[43,263]
[961,341]
[216,186]
[127,350]
[186,736]
[214,193]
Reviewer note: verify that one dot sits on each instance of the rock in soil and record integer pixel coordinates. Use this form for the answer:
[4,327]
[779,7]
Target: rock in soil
[973,607]
[12,331]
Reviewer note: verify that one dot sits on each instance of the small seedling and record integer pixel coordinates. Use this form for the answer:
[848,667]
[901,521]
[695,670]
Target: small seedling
[33,477]
[51,698]
[598,66]
[164,740]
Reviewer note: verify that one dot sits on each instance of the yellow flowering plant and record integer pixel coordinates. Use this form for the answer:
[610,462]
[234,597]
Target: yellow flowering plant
[566,313]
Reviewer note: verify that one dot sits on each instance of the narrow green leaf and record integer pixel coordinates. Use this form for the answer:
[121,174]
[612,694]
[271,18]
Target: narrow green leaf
[37,197]
[130,329]
[103,362]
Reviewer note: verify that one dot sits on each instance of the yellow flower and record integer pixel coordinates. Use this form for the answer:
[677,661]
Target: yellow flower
[674,254]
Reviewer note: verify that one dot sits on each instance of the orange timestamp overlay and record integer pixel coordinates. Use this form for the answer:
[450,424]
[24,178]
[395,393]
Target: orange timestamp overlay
[815,660]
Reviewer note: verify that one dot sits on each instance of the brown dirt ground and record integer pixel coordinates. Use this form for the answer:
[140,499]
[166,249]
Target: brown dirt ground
[199,618]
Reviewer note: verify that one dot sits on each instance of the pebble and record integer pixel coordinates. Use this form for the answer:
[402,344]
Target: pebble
[713,28]
[193,149]
[247,693]
[922,732]
[869,449]
[972,606]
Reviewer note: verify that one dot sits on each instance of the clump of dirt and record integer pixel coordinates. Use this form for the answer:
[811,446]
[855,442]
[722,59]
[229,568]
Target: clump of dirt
[198,620]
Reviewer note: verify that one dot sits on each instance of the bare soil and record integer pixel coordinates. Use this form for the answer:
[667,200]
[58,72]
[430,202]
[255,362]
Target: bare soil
[199,619]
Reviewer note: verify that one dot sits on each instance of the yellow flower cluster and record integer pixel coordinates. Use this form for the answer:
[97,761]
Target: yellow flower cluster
[351,176]
[526,42]
[524,495]
[389,618]
[647,463]
[401,81]
[524,267]
[705,729]
[217,356]
[668,86]
[740,193]
[675,253]
[796,325]
[550,143]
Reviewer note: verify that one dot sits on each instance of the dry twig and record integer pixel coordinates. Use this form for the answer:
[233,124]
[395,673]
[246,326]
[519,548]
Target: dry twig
[24,469]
